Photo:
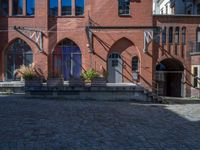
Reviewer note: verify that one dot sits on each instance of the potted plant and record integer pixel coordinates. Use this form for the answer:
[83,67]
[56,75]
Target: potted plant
[89,75]
[32,76]
[101,79]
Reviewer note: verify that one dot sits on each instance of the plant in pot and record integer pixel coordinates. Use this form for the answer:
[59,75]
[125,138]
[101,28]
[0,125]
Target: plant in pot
[89,75]
[32,76]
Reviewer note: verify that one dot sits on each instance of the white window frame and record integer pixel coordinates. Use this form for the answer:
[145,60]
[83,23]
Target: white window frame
[198,75]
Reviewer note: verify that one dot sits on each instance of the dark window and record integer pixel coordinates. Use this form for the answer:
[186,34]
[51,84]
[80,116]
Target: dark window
[4,7]
[184,35]
[164,31]
[177,35]
[171,35]
[53,8]
[66,7]
[198,9]
[124,7]
[30,7]
[79,7]
[17,7]
[135,64]
[17,54]
[198,40]
[195,82]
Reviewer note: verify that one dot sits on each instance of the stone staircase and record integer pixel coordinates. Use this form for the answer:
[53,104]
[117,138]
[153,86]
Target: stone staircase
[109,92]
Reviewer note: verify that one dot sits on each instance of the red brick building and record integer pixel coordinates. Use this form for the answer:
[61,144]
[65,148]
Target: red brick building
[67,37]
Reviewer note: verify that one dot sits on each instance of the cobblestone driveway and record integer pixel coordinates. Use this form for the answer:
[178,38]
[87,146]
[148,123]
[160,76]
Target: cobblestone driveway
[77,125]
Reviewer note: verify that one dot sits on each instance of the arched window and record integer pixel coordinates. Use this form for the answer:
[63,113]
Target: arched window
[170,35]
[177,35]
[17,54]
[164,31]
[184,35]
[135,64]
[67,60]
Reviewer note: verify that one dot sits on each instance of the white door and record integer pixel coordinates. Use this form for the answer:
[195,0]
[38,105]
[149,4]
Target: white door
[114,68]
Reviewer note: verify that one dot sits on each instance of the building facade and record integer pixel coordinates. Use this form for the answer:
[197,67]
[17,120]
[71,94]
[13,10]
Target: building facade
[67,37]
[176,7]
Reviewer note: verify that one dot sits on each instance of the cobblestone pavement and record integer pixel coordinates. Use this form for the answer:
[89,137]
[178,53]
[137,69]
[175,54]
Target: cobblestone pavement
[27,124]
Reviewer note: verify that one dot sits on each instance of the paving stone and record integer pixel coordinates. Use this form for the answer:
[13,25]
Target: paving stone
[89,125]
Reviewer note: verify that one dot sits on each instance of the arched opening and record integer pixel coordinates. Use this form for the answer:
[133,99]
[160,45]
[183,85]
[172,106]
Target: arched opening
[114,68]
[67,60]
[169,77]
[18,53]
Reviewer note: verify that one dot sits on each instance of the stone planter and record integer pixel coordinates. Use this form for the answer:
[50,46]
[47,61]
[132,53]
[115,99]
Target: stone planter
[76,82]
[57,83]
[34,84]
[98,81]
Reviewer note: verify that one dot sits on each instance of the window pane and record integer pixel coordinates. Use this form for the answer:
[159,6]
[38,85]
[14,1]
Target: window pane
[198,36]
[4,7]
[66,7]
[53,8]
[164,35]
[79,7]
[30,7]
[195,77]
[124,7]
[135,63]
[183,35]
[177,35]
[170,35]
[17,7]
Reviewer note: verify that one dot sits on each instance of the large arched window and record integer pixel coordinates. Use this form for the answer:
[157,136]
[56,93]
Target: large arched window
[67,60]
[17,54]
[184,35]
[177,35]
[170,35]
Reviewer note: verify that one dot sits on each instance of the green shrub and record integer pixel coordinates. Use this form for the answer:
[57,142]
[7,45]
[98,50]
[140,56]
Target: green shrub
[89,75]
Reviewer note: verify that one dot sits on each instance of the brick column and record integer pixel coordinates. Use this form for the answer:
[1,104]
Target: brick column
[73,7]
[10,7]
[24,7]
[59,7]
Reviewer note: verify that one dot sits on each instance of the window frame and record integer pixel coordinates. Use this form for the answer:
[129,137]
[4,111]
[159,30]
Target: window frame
[196,85]
[122,5]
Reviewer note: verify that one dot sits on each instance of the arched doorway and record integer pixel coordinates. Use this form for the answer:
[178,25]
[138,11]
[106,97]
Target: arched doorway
[169,77]
[114,68]
[67,61]
[18,53]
